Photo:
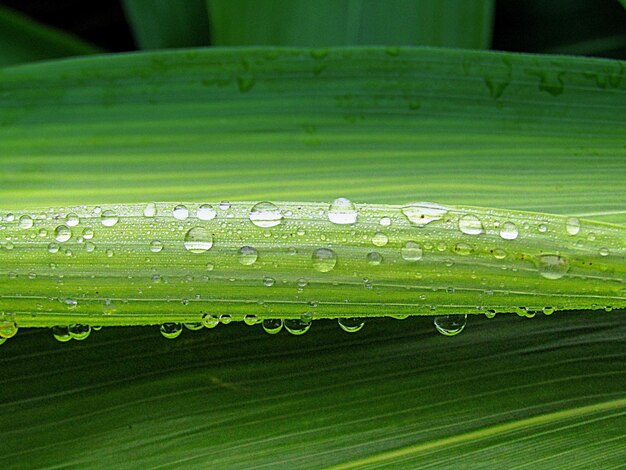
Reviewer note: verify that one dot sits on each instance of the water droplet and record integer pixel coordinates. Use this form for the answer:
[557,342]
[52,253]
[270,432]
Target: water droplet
[450,325]
[509,231]
[79,332]
[548,310]
[62,234]
[210,321]
[462,249]
[499,253]
[324,259]
[195,326]
[297,327]
[471,225]
[543,228]
[225,319]
[87,234]
[268,281]
[206,212]
[374,258]
[248,255]
[180,212]
[385,221]
[198,240]
[250,320]
[411,252]
[53,248]
[265,215]
[109,218]
[604,252]
[552,266]
[490,314]
[156,246]
[224,205]
[422,213]
[272,325]
[25,222]
[90,247]
[171,330]
[351,325]
[572,226]
[43,232]
[8,329]
[380,239]
[150,210]
[61,333]
[342,211]
[72,220]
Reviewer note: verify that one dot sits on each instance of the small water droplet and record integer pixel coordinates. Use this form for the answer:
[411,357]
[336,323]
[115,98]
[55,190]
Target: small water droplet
[61,333]
[450,325]
[198,240]
[248,255]
[25,222]
[195,326]
[548,310]
[380,239]
[90,247]
[462,249]
[374,258]
[490,314]
[509,231]
[324,259]
[604,252]
[351,325]
[250,320]
[53,248]
[268,281]
[210,321]
[265,215]
[470,225]
[543,228]
[72,220]
[385,221]
[79,332]
[43,232]
[224,205]
[8,329]
[87,234]
[171,330]
[62,234]
[150,210]
[342,211]
[206,212]
[411,252]
[552,266]
[225,319]
[109,218]
[272,325]
[297,327]
[572,226]
[180,212]
[156,246]
[423,213]
[499,253]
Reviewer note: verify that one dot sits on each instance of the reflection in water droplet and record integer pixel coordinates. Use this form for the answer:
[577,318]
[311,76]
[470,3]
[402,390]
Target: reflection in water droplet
[248,255]
[79,332]
[351,325]
[450,325]
[422,213]
[411,252]
[156,246]
[374,258]
[572,226]
[342,211]
[109,218]
[272,325]
[150,210]
[210,321]
[265,215]
[62,234]
[198,240]
[509,231]
[380,239]
[552,266]
[8,329]
[25,222]
[61,333]
[206,212]
[180,212]
[324,259]
[297,327]
[470,225]
[171,330]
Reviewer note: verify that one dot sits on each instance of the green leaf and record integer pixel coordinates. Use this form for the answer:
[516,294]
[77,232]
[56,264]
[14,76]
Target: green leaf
[163,24]
[453,23]
[24,40]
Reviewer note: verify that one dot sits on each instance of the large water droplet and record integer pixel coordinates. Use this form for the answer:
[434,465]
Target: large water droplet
[109,218]
[324,259]
[422,213]
[79,332]
[509,231]
[62,233]
[552,266]
[61,333]
[265,215]
[8,329]
[25,221]
[248,255]
[450,325]
[272,325]
[210,321]
[198,240]
[72,220]
[342,211]
[411,251]
[206,212]
[171,330]
[351,325]
[471,225]
[297,327]
[572,226]
[180,212]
